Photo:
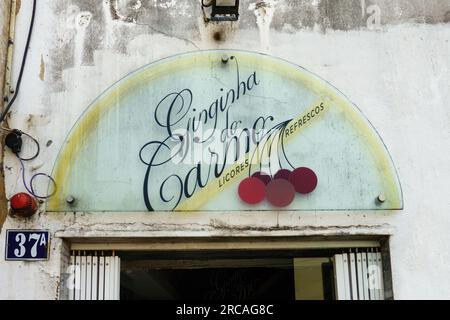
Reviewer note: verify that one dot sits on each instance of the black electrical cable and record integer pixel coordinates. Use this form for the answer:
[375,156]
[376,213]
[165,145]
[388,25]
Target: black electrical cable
[22,67]
[37,146]
[14,142]
[30,187]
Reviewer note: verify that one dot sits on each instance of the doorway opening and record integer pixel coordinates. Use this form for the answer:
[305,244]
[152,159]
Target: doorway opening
[268,271]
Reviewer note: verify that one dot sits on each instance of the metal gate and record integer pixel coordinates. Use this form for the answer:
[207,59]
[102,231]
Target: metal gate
[94,276]
[359,275]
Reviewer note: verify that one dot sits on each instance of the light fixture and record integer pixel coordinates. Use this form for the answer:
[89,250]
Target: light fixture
[223,10]
[23,205]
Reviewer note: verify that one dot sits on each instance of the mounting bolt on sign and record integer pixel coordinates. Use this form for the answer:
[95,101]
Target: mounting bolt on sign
[70,200]
[381,198]
[225,59]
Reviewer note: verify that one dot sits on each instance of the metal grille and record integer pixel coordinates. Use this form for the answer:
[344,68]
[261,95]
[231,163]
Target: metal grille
[94,276]
[359,275]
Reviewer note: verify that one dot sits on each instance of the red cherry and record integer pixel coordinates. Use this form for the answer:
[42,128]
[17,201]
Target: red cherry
[282,174]
[304,180]
[280,193]
[252,190]
[264,177]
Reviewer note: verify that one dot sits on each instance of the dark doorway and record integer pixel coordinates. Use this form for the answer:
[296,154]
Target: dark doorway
[227,275]
[273,281]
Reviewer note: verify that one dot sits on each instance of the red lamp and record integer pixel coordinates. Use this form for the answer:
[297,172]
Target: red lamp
[23,205]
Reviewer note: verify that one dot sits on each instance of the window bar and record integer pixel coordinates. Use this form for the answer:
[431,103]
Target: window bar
[365,275]
[95,277]
[101,278]
[71,280]
[370,276]
[78,276]
[339,277]
[107,278]
[83,276]
[376,275]
[353,277]
[380,275]
[359,272]
[88,277]
[348,295]
[118,278]
[112,277]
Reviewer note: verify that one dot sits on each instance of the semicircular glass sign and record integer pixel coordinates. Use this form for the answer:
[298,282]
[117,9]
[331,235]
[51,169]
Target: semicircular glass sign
[224,131]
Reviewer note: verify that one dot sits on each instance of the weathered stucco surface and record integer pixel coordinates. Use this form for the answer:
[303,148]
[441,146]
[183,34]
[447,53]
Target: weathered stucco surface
[390,57]
[4,40]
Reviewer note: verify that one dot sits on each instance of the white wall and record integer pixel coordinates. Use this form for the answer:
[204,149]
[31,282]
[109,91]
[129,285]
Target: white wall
[397,75]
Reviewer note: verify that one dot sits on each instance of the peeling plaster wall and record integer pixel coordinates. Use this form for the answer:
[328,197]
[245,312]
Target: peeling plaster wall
[390,57]
[4,36]
[5,10]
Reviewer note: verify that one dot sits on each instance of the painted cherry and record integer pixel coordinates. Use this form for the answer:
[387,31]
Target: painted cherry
[282,174]
[252,190]
[264,177]
[280,193]
[304,180]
